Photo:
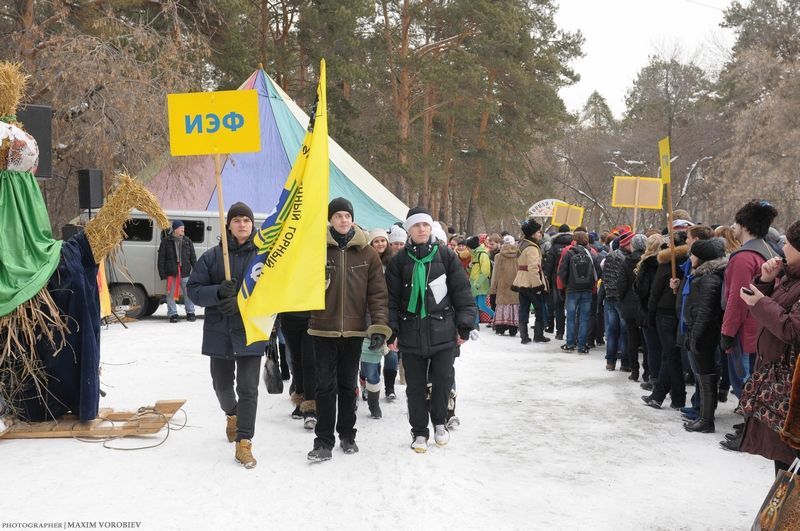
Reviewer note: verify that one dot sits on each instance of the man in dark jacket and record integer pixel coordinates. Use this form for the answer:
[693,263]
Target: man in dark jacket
[550,267]
[578,277]
[616,331]
[223,330]
[629,304]
[176,258]
[431,312]
[355,292]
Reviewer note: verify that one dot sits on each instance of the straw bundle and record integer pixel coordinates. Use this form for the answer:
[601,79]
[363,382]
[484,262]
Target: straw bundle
[12,87]
[106,231]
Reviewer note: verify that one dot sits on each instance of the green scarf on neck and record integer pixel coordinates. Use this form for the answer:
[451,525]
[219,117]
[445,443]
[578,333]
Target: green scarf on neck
[419,283]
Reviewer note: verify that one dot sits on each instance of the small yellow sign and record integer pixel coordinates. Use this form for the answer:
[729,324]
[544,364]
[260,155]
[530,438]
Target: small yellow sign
[637,192]
[208,123]
[564,213]
[664,156]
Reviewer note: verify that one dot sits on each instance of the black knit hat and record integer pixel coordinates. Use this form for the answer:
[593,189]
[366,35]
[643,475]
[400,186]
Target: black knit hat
[340,204]
[707,250]
[756,216]
[563,228]
[530,227]
[236,210]
[473,242]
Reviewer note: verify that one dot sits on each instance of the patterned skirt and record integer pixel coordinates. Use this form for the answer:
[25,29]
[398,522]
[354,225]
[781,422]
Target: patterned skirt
[506,315]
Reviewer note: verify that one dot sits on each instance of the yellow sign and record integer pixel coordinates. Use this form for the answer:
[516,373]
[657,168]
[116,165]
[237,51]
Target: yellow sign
[209,123]
[567,214]
[664,156]
[637,192]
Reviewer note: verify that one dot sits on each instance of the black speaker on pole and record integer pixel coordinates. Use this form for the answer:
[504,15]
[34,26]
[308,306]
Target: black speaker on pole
[90,189]
[38,122]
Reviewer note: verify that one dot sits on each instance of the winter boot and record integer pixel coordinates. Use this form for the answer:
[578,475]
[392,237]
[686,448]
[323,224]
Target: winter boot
[512,331]
[523,334]
[708,397]
[320,453]
[230,427]
[389,376]
[309,410]
[419,444]
[244,454]
[374,403]
[452,419]
[349,446]
[191,317]
[297,400]
[499,330]
[440,435]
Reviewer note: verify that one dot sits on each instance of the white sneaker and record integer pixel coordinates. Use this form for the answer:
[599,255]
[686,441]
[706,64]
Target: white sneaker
[420,444]
[441,435]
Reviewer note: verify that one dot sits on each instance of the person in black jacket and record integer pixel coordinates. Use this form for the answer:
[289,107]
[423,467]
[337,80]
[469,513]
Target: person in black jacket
[176,258]
[629,303]
[550,269]
[431,313]
[616,331]
[224,340]
[702,317]
[645,273]
[661,313]
[578,276]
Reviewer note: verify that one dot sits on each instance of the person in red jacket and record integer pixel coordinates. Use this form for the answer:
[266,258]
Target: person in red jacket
[739,328]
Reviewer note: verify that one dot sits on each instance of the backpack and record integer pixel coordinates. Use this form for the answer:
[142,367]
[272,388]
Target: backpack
[581,269]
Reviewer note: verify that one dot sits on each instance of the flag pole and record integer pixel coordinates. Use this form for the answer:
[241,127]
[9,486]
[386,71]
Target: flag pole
[223,229]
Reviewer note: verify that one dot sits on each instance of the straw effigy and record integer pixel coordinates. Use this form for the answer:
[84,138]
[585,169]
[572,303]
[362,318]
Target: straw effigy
[12,87]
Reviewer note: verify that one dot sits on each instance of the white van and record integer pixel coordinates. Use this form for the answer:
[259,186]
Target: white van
[133,281]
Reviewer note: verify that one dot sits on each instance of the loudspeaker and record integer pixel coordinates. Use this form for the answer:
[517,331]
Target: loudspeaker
[90,189]
[38,122]
[68,231]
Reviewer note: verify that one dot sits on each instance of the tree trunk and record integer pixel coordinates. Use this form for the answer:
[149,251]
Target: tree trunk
[25,35]
[445,208]
[427,134]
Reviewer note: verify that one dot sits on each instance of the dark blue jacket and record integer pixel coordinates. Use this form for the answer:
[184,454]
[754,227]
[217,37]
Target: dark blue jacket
[223,336]
[73,376]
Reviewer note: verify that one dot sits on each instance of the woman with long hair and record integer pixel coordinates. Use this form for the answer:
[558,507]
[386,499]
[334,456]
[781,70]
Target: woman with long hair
[645,274]
[726,233]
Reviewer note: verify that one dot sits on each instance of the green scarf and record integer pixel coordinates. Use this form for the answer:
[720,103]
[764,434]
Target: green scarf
[419,283]
[28,252]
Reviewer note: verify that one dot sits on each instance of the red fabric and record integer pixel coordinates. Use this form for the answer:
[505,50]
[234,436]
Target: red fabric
[742,269]
[176,281]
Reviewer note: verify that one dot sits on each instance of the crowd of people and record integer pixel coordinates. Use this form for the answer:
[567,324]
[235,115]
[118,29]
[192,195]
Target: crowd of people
[701,305]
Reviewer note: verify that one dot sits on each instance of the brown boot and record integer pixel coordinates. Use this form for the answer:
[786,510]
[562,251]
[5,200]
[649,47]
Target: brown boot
[244,455]
[230,428]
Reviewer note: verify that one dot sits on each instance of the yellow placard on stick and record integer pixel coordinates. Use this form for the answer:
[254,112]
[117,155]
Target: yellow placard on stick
[637,192]
[664,157]
[567,214]
[213,123]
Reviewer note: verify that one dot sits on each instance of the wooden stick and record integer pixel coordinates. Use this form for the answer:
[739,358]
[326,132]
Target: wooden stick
[222,229]
[671,233]
[636,208]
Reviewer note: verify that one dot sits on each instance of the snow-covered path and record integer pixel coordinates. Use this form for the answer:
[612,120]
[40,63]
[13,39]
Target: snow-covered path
[547,441]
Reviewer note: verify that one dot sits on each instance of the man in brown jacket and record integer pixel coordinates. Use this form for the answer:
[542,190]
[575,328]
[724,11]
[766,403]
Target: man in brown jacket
[355,291]
[530,282]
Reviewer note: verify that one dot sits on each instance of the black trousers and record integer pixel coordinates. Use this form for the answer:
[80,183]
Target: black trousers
[632,346]
[336,361]
[670,377]
[245,370]
[438,369]
[559,306]
[301,348]
[526,298]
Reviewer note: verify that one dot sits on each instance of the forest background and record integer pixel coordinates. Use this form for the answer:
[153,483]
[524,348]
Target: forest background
[451,104]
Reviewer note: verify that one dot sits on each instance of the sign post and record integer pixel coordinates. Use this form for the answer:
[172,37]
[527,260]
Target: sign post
[666,179]
[213,123]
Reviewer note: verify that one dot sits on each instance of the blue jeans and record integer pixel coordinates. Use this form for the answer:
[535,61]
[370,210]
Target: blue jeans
[740,367]
[371,372]
[616,331]
[480,301]
[580,303]
[172,306]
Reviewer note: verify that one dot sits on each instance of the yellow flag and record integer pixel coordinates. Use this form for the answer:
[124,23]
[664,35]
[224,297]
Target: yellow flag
[102,290]
[665,157]
[288,274]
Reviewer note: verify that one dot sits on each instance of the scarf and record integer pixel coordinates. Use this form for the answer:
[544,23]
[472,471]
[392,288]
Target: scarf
[419,282]
[687,288]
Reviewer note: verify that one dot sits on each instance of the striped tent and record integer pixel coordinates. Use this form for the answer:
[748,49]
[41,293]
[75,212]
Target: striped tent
[187,183]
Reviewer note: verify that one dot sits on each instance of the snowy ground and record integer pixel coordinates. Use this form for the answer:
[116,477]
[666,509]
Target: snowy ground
[548,441]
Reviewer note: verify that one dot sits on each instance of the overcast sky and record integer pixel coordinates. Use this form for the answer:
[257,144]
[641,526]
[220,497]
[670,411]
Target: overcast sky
[620,35]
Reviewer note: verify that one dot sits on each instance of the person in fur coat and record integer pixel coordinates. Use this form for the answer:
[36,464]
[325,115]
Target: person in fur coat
[775,305]
[506,301]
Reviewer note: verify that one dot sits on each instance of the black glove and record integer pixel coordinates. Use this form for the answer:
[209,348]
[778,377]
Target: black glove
[725,342]
[227,288]
[376,341]
[229,306]
[463,333]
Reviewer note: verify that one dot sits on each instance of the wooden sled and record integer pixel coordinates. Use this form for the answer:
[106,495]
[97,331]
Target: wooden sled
[109,423]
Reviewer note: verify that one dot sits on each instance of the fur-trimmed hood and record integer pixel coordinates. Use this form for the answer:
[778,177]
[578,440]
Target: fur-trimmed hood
[510,251]
[681,254]
[717,265]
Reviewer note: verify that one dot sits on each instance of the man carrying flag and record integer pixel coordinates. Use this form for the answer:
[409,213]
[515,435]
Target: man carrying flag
[355,292]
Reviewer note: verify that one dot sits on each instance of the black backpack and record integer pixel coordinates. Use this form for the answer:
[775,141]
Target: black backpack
[581,269]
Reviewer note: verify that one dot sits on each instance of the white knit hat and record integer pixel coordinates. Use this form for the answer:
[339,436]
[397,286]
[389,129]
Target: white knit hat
[508,240]
[438,232]
[377,233]
[397,234]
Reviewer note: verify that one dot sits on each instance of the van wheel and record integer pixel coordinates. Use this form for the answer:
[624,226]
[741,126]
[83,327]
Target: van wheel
[152,305]
[130,299]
